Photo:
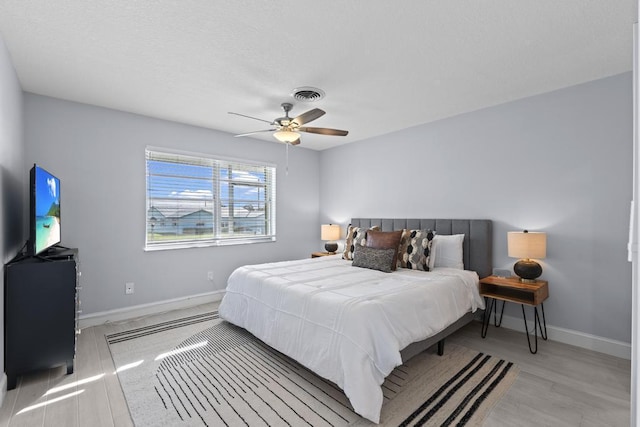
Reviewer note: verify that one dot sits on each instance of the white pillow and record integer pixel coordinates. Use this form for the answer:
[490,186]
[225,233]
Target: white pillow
[446,252]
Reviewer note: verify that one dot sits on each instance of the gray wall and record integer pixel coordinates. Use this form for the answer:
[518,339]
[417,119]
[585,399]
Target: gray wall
[98,154]
[570,150]
[13,176]
[560,162]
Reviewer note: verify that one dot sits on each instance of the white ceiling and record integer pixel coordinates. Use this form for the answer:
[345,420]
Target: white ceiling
[384,65]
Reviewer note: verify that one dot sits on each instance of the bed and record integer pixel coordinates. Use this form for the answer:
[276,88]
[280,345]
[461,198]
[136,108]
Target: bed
[353,325]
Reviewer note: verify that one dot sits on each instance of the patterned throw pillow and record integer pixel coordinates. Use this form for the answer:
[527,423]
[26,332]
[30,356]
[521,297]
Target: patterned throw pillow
[374,258]
[415,249]
[356,236]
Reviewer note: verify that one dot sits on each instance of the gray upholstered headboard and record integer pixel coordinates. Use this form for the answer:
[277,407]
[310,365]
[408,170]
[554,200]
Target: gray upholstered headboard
[478,236]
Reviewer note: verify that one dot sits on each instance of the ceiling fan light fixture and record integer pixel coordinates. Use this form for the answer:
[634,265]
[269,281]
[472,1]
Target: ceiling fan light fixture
[287,129]
[286,136]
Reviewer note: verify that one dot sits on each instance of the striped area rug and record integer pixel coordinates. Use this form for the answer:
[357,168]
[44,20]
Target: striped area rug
[201,371]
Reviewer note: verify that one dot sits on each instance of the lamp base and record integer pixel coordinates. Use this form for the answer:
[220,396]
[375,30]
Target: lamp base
[527,270]
[331,247]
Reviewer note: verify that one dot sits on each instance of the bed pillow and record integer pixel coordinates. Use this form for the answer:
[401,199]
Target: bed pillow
[374,258]
[356,236]
[385,240]
[415,249]
[446,252]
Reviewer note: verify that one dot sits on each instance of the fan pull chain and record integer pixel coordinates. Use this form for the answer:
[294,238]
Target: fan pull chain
[287,164]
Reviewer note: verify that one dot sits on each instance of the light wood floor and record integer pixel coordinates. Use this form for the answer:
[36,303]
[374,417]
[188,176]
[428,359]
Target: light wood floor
[560,386]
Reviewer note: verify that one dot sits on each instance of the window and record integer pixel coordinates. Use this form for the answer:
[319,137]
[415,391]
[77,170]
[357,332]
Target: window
[194,200]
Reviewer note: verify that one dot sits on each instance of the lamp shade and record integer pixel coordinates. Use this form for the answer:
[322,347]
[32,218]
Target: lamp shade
[525,244]
[286,136]
[329,232]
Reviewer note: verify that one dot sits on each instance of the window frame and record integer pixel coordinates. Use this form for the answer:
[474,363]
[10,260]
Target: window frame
[217,164]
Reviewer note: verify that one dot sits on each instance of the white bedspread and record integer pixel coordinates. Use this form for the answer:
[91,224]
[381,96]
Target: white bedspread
[345,323]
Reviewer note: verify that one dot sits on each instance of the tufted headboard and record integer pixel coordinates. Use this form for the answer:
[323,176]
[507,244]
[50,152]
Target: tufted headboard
[478,236]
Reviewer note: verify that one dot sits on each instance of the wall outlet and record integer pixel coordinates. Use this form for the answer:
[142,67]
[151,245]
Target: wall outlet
[128,288]
[210,276]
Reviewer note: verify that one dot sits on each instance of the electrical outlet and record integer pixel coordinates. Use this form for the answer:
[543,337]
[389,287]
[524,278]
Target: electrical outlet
[128,288]
[210,276]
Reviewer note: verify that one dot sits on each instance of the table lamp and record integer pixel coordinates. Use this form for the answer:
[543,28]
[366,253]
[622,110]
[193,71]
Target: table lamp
[330,232]
[526,245]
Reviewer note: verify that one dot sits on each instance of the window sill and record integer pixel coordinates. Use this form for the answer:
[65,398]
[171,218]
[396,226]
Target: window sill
[196,245]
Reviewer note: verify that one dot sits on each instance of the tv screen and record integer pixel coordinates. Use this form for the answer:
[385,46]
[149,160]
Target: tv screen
[45,210]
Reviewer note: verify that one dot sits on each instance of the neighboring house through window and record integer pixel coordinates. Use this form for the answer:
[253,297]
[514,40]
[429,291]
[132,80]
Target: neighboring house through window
[199,200]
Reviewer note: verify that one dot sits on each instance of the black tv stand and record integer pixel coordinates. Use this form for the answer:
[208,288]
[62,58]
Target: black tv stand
[53,253]
[58,252]
[40,313]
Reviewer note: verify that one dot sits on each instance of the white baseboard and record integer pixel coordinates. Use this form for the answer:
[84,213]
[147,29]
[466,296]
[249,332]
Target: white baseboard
[3,388]
[579,339]
[120,314]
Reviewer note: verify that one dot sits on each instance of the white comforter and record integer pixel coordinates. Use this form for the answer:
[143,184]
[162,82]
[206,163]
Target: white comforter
[345,323]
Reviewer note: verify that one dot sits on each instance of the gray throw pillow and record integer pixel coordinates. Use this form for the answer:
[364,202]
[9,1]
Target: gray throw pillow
[374,258]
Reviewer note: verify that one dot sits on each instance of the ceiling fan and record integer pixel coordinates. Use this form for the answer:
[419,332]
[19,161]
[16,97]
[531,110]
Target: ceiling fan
[286,129]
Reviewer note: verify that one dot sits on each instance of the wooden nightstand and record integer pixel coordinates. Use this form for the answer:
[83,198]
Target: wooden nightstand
[510,289]
[319,254]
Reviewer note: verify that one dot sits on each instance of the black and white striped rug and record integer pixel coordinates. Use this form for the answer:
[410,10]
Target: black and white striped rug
[199,371]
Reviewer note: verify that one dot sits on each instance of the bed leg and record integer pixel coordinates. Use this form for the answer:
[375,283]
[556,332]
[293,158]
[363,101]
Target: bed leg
[441,347]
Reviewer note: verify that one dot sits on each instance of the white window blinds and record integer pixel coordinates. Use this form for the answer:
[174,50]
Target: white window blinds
[195,200]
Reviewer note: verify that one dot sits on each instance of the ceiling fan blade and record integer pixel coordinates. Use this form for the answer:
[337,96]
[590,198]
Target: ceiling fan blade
[324,131]
[309,116]
[249,117]
[257,131]
[296,142]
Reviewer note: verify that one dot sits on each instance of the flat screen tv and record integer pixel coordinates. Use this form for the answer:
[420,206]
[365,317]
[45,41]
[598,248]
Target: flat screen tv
[45,210]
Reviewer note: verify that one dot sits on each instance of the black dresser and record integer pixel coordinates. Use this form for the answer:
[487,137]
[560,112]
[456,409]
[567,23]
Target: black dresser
[40,313]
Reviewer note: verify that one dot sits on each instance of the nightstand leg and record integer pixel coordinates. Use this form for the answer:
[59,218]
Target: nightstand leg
[495,314]
[543,329]
[536,323]
[489,303]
